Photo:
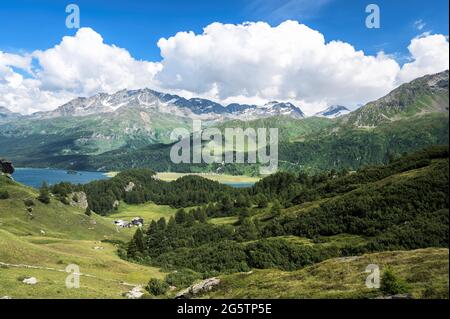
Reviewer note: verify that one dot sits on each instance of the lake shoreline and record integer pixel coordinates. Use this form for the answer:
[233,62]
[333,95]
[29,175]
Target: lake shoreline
[34,177]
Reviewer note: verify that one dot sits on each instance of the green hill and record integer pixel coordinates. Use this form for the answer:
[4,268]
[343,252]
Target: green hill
[395,214]
[428,94]
[424,271]
[313,237]
[43,242]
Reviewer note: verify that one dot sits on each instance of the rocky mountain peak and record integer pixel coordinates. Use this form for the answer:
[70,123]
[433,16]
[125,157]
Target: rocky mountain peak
[148,99]
[333,111]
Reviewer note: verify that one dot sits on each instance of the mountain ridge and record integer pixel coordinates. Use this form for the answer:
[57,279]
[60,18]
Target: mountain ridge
[194,108]
[333,111]
[423,95]
[7,115]
[413,116]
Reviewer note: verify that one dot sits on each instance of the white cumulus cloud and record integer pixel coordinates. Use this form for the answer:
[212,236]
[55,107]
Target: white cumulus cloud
[429,54]
[288,62]
[84,64]
[81,65]
[250,62]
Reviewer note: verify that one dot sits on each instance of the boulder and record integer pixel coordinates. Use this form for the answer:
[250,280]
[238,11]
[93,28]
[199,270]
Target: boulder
[6,167]
[203,286]
[129,187]
[135,293]
[30,281]
[81,202]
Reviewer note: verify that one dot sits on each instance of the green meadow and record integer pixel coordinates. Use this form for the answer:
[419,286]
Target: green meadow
[42,243]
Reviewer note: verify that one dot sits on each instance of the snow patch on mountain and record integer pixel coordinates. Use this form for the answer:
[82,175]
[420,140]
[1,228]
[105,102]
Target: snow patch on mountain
[194,108]
[333,111]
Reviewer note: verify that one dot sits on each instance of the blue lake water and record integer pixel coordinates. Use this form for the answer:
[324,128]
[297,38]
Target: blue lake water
[36,176]
[240,185]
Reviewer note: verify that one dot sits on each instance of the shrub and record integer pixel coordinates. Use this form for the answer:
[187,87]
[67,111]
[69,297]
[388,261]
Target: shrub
[157,287]
[182,278]
[44,194]
[4,195]
[28,202]
[390,284]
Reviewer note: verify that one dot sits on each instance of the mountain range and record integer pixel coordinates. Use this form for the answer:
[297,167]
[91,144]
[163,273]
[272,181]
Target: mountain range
[153,101]
[132,129]
[6,115]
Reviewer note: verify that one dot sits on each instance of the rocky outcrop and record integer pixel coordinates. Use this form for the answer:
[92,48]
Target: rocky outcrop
[129,187]
[6,167]
[78,199]
[399,296]
[204,286]
[135,293]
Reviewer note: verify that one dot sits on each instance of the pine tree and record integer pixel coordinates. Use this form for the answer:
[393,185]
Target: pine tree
[172,224]
[226,205]
[210,210]
[276,208]
[180,216]
[139,240]
[162,224]
[391,284]
[262,201]
[202,216]
[243,214]
[152,228]
[132,249]
[190,219]
[241,201]
[44,194]
[247,230]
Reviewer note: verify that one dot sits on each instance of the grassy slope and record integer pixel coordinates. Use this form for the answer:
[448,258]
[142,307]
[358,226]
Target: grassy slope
[224,220]
[425,271]
[70,237]
[335,278]
[56,220]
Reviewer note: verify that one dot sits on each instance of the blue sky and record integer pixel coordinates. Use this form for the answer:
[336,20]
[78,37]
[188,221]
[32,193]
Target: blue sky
[27,25]
[314,53]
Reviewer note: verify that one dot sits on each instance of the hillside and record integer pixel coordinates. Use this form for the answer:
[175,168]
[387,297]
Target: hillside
[425,271]
[6,115]
[394,214]
[290,236]
[42,243]
[427,94]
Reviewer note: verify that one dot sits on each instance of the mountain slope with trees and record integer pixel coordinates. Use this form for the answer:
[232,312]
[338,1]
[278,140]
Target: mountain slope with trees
[400,206]
[411,117]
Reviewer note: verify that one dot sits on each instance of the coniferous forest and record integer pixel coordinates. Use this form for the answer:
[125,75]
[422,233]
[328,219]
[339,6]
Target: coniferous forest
[399,206]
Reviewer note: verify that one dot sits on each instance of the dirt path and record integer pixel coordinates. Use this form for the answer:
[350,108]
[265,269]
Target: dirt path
[24,266]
